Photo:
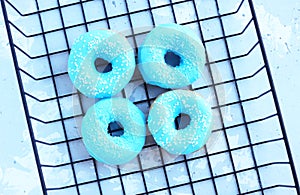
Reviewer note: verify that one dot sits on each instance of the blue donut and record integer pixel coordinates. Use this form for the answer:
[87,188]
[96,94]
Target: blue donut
[110,46]
[173,40]
[109,149]
[161,123]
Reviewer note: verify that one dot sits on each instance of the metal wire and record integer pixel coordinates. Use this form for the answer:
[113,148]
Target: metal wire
[16,50]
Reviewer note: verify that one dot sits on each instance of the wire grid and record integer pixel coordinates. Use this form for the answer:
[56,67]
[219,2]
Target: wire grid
[250,123]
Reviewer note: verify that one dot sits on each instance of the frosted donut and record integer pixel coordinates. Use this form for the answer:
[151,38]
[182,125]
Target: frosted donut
[109,149]
[110,46]
[162,115]
[171,56]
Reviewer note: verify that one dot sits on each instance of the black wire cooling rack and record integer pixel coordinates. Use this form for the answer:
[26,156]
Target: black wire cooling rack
[251,154]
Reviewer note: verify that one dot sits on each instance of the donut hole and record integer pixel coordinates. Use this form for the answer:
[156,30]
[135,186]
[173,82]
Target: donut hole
[115,129]
[182,121]
[102,65]
[172,59]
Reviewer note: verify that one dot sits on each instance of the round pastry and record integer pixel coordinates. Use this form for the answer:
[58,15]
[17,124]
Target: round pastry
[106,45]
[171,56]
[106,148]
[161,121]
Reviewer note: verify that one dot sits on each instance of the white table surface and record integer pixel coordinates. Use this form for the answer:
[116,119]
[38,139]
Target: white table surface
[279,24]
